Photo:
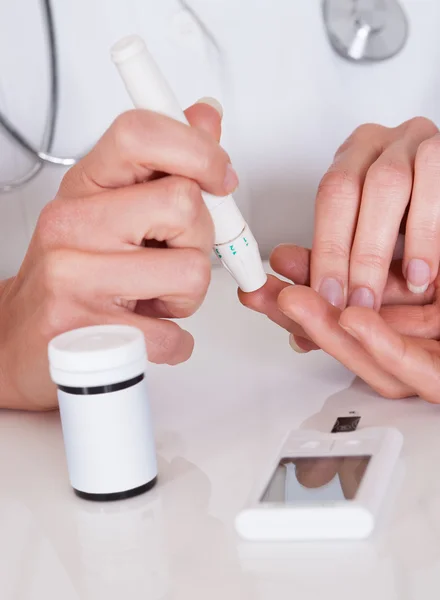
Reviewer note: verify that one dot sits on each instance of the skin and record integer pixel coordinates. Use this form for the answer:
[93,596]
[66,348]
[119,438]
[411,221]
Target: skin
[372,345]
[120,243]
[361,203]
[383,181]
[98,254]
[312,473]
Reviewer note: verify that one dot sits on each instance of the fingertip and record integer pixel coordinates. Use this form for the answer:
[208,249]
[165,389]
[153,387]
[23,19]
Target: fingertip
[277,254]
[277,258]
[206,116]
[291,261]
[252,300]
[184,350]
[260,299]
[358,321]
[290,301]
[256,301]
[301,345]
[285,297]
[213,102]
[418,276]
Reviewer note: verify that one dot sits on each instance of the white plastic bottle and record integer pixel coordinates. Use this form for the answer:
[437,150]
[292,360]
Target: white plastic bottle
[105,414]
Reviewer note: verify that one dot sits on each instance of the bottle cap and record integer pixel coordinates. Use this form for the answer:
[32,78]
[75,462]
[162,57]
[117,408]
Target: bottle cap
[97,355]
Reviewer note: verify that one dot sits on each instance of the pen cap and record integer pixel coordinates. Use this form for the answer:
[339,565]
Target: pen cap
[104,409]
[145,84]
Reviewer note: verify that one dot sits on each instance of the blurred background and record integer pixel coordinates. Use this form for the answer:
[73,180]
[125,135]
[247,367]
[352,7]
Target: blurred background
[289,99]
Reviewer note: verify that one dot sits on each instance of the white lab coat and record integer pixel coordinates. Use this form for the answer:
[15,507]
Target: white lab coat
[289,101]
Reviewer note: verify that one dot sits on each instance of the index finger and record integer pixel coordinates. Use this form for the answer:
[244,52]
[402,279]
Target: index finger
[140,143]
[265,301]
[320,320]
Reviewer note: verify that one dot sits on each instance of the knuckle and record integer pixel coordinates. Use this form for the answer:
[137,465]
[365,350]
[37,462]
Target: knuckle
[50,223]
[390,172]
[428,154]
[420,124]
[367,131]
[46,219]
[332,248]
[425,229]
[125,130]
[61,223]
[366,135]
[360,135]
[197,272]
[370,257]
[338,185]
[346,145]
[187,198]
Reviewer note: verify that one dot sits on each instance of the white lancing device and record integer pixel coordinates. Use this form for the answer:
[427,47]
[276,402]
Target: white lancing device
[235,244]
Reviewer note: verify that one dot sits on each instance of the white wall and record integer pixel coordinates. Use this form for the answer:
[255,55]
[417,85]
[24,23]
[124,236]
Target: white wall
[289,100]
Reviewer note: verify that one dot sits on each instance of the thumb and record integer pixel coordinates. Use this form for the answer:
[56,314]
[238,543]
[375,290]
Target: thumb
[206,114]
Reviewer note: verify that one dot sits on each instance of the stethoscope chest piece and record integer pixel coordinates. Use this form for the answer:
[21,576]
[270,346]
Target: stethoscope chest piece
[365,30]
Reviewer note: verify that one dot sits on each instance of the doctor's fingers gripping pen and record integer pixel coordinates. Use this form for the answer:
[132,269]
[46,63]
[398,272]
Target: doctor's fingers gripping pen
[235,245]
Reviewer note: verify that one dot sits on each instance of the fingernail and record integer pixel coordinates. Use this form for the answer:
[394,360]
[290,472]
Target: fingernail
[300,344]
[231,179]
[362,297]
[331,290]
[418,275]
[212,102]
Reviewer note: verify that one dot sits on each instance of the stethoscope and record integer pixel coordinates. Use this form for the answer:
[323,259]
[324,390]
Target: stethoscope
[357,29]
[42,156]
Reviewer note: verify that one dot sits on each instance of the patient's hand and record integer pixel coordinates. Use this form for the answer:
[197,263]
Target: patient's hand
[395,352]
[383,182]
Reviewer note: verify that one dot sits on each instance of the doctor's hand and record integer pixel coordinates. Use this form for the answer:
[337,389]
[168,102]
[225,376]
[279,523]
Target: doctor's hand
[120,243]
[382,181]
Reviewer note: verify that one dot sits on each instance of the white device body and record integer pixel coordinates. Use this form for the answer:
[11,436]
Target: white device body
[351,519]
[235,244]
